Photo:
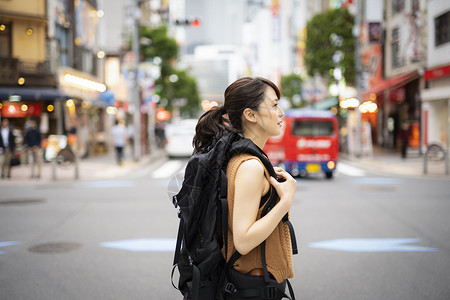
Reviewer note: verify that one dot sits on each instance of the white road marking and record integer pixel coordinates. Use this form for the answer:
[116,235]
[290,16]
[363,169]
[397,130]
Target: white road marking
[168,169]
[349,170]
[373,245]
[143,245]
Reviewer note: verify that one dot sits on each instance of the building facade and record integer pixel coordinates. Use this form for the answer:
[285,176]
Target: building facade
[436,87]
[51,70]
[28,81]
[395,64]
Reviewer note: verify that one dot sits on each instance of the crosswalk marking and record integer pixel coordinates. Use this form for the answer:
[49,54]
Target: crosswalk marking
[168,169]
[349,170]
[172,167]
[143,245]
[373,245]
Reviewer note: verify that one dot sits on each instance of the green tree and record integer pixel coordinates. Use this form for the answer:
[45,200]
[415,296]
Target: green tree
[185,87]
[180,85]
[320,49]
[291,85]
[159,44]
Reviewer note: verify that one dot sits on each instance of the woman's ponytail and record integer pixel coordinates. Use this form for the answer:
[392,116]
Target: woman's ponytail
[210,126]
[244,93]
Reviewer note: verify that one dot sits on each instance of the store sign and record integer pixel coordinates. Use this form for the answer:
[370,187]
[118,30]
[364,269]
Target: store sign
[397,95]
[437,73]
[20,110]
[371,60]
[375,32]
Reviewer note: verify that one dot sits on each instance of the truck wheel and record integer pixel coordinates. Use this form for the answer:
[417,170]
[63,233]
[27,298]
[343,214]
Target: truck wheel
[329,175]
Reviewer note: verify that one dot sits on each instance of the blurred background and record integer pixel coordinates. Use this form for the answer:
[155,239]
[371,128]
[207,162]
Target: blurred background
[76,66]
[110,92]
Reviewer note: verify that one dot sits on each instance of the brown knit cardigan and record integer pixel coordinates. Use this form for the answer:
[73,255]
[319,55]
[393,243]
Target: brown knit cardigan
[278,244]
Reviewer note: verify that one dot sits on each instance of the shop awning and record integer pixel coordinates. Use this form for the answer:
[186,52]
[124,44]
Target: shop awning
[391,83]
[326,103]
[32,93]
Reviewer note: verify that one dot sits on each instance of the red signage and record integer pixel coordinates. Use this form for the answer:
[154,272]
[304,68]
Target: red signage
[437,72]
[20,110]
[397,95]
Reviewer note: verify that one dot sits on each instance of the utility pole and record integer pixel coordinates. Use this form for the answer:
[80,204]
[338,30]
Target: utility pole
[359,73]
[136,94]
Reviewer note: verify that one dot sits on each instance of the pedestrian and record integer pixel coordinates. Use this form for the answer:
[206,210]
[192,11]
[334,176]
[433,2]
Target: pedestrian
[119,134]
[130,129]
[33,140]
[7,147]
[160,134]
[405,132]
[252,108]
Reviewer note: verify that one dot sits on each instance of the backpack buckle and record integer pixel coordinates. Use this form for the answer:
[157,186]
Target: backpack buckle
[230,288]
[269,292]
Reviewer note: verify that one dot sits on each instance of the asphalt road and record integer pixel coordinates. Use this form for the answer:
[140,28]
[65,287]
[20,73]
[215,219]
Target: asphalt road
[361,236]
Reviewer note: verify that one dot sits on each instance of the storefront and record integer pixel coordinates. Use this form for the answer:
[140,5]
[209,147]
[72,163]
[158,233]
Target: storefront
[43,105]
[398,101]
[436,106]
[85,112]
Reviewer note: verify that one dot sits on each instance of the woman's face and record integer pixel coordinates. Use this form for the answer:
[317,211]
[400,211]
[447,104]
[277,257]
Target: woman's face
[270,113]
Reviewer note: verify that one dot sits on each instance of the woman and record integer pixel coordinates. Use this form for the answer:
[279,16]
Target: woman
[252,108]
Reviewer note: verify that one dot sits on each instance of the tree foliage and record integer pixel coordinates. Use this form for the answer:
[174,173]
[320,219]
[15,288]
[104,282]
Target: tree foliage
[160,44]
[291,85]
[166,48]
[320,49]
[184,88]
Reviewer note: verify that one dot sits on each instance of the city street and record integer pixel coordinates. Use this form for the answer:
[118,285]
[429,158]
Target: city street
[361,235]
[98,97]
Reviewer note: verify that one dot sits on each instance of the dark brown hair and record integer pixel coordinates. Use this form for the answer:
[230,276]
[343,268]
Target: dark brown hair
[244,93]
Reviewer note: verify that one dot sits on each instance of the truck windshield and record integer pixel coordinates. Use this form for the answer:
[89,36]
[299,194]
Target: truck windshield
[312,128]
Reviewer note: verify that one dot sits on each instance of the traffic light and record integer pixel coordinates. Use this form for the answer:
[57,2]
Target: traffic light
[194,22]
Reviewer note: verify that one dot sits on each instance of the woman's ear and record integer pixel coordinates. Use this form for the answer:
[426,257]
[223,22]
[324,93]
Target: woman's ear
[249,115]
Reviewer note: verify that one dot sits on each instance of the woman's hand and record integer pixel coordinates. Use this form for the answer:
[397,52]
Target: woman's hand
[285,189]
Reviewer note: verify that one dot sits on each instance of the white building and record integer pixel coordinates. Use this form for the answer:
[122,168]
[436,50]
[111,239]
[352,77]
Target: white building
[214,67]
[263,31]
[436,92]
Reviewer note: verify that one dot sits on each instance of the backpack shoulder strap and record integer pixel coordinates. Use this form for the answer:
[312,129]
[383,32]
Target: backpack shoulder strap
[248,147]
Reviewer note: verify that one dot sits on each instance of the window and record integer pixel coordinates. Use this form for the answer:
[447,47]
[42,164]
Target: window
[397,6]
[442,29]
[415,5]
[61,35]
[395,46]
[5,39]
[312,128]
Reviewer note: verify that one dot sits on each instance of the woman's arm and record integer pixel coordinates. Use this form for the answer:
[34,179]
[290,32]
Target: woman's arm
[248,232]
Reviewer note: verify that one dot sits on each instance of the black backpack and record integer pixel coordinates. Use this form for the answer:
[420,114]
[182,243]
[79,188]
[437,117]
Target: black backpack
[203,213]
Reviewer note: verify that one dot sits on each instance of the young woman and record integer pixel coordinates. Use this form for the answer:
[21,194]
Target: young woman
[252,108]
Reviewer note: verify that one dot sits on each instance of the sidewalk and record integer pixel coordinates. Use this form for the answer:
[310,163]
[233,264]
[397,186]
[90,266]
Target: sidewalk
[389,162]
[102,167]
[98,167]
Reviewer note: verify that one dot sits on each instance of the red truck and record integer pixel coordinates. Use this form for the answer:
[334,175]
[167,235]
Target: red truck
[308,144]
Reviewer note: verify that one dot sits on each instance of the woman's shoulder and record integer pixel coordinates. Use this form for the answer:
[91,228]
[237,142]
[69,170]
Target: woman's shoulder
[243,157]
[246,162]
[249,171]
